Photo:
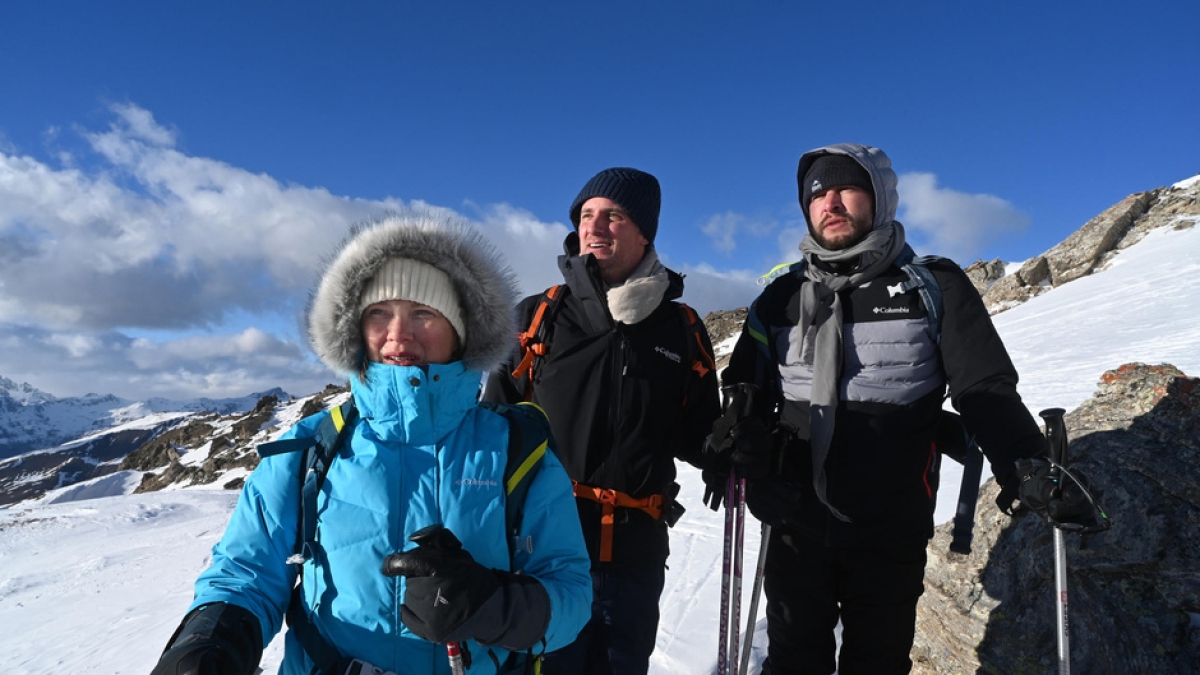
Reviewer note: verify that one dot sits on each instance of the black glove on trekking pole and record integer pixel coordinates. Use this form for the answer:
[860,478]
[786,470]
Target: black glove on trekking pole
[448,597]
[740,442]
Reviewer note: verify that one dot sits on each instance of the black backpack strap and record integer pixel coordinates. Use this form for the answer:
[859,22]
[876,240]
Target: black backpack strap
[319,452]
[317,459]
[529,439]
[954,441]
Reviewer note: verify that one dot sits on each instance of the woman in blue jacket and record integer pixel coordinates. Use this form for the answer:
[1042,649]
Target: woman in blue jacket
[413,308]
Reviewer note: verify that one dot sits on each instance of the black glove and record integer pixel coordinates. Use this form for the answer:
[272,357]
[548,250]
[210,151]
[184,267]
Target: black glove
[445,586]
[751,445]
[715,480]
[216,639]
[774,500]
[1058,499]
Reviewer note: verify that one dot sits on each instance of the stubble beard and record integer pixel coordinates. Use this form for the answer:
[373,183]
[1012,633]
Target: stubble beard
[860,227]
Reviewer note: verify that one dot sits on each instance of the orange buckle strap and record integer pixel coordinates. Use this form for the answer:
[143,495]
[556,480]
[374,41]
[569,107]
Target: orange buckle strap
[609,500]
[530,334]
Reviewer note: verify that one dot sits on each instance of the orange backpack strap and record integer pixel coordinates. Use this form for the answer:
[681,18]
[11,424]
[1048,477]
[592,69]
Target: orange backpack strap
[609,501]
[702,360]
[533,339]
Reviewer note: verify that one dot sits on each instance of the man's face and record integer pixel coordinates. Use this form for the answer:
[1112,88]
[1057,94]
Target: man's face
[841,216]
[608,233]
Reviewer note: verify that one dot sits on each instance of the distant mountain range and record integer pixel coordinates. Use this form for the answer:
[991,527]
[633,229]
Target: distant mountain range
[48,442]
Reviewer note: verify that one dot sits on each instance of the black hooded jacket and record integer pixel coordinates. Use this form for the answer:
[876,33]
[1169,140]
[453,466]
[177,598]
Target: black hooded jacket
[623,400]
[882,467]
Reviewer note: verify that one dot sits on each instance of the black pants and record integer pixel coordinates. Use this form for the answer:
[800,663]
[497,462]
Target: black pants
[620,636]
[873,590]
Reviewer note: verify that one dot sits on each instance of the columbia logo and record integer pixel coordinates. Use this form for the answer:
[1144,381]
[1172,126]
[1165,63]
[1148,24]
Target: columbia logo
[667,353]
[891,310]
[480,482]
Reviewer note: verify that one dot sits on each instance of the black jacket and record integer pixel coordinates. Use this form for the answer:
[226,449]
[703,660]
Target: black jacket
[623,400]
[882,467]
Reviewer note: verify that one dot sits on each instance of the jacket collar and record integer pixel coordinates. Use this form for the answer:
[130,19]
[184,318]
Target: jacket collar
[417,405]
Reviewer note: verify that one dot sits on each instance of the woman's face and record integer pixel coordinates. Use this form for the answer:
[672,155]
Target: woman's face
[406,333]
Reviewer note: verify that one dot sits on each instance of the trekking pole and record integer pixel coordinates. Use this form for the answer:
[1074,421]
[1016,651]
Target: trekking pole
[752,616]
[726,571]
[1056,435]
[454,654]
[735,619]
[739,398]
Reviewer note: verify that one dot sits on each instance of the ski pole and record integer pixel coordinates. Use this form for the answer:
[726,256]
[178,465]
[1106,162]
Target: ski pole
[752,616]
[1056,436]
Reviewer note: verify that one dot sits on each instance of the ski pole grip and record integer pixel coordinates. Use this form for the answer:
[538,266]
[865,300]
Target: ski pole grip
[1056,435]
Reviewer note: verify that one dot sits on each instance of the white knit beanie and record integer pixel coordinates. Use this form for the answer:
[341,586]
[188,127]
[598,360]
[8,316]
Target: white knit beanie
[415,281]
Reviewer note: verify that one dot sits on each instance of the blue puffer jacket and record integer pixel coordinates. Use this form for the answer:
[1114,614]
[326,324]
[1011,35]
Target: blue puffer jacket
[421,453]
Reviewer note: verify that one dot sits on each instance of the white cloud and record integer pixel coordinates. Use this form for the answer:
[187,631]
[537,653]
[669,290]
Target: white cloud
[707,289]
[149,240]
[724,229]
[77,346]
[951,223]
[530,246]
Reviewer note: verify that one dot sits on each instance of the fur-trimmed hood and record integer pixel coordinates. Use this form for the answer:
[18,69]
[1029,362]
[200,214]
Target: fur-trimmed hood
[486,287]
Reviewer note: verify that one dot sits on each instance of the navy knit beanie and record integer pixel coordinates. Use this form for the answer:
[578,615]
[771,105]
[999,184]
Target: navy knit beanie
[635,191]
[830,171]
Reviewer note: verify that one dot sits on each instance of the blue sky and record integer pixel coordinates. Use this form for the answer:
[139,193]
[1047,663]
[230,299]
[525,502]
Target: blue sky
[171,173]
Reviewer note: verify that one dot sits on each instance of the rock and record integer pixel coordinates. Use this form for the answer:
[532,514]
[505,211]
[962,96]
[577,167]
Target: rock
[984,274]
[1134,590]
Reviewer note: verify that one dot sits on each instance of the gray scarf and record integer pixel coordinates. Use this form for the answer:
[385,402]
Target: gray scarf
[821,328]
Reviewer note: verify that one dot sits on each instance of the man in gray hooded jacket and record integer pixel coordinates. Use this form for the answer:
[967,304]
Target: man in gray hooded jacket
[852,381]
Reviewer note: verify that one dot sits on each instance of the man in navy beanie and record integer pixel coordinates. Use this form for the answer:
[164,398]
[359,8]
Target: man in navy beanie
[625,375]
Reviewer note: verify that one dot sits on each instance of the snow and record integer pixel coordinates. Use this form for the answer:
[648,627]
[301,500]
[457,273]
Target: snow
[94,579]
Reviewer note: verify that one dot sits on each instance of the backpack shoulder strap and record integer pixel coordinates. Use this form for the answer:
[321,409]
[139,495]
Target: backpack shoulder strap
[529,438]
[921,278]
[319,452]
[534,338]
[702,359]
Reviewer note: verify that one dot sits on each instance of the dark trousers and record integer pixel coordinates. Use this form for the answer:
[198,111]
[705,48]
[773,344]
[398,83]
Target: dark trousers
[873,590]
[619,638]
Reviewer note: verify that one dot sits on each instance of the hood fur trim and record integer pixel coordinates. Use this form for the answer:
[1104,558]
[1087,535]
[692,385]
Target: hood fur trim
[486,287]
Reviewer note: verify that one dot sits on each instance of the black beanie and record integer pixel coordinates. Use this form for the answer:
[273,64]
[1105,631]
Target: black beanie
[635,191]
[830,171]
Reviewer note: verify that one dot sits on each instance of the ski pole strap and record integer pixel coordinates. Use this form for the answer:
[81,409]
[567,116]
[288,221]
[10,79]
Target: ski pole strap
[609,501]
[968,492]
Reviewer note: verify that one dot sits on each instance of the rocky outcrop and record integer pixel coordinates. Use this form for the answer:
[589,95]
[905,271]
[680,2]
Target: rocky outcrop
[1091,247]
[722,325]
[224,444]
[1134,590]
[984,274]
